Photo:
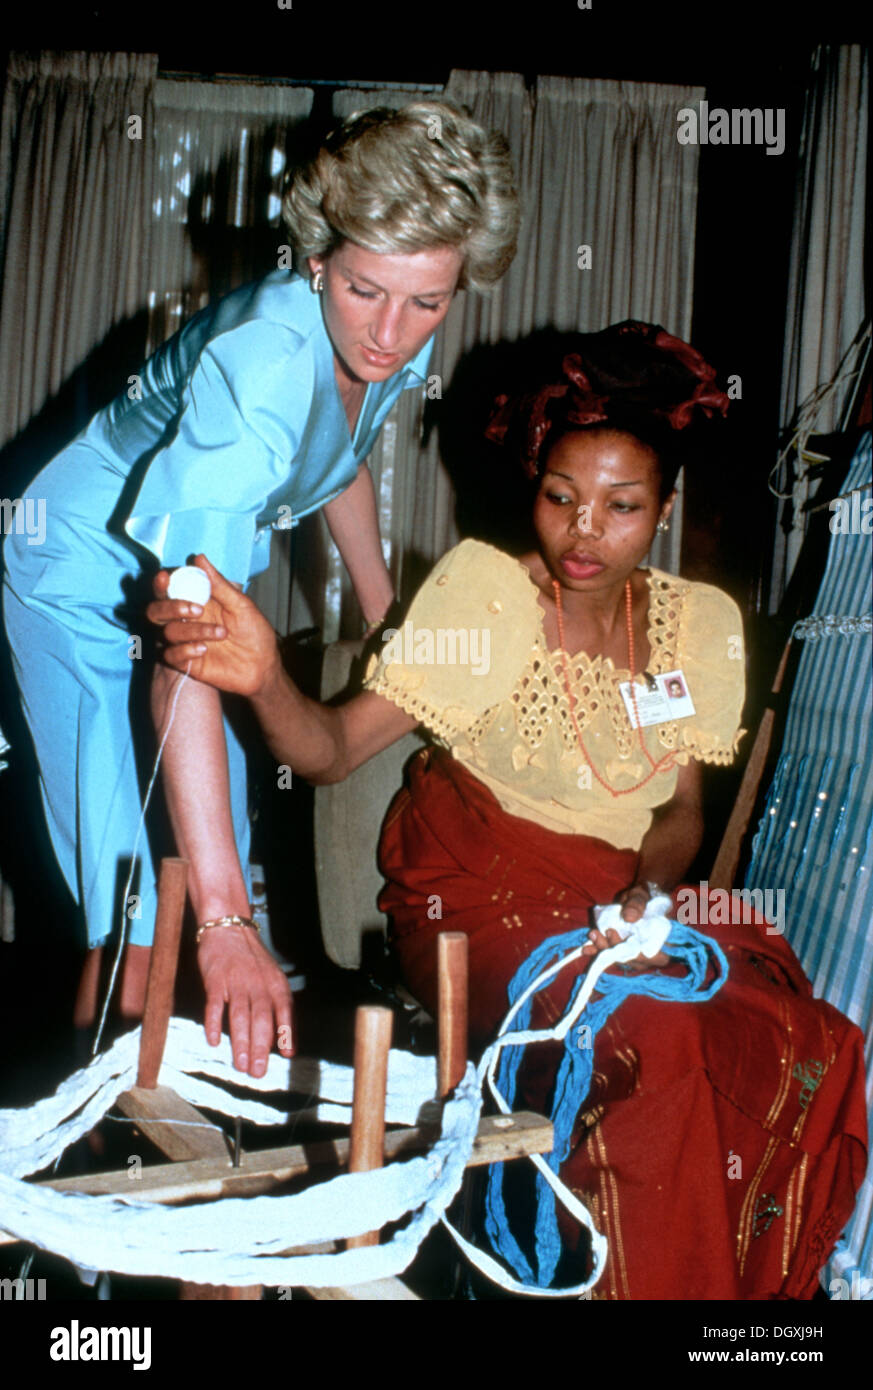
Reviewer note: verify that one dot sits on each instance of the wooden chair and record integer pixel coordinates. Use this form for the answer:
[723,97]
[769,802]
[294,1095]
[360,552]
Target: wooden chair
[348,822]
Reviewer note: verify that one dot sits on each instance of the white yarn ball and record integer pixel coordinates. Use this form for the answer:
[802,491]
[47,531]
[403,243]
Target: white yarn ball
[190,583]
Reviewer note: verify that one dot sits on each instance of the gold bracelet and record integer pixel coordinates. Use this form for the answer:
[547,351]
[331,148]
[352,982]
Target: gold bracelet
[233,921]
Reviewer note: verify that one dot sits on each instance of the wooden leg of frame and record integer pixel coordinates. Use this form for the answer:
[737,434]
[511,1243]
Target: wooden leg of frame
[367,1141]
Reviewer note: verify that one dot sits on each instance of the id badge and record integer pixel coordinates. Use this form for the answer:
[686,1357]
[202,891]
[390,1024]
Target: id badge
[668,698]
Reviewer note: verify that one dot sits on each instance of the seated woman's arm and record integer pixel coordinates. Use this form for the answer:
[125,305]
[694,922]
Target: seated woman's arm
[235,649]
[670,844]
[669,847]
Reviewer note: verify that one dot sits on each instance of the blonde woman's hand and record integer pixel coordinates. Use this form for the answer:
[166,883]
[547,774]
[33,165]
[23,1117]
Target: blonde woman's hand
[241,976]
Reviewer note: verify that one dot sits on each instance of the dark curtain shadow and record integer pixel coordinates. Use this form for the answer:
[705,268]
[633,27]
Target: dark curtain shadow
[494,498]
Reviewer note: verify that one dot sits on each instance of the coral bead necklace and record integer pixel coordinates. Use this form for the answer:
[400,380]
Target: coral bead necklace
[664,764]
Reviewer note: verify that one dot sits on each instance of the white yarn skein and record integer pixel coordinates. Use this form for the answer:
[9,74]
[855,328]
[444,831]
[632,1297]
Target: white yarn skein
[650,931]
[190,583]
[646,936]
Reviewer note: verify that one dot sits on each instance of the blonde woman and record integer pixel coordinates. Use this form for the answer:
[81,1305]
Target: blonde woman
[262,409]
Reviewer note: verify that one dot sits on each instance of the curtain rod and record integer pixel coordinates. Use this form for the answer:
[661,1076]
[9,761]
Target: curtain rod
[369,84]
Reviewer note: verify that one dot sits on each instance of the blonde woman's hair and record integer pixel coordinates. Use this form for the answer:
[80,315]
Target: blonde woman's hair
[404,181]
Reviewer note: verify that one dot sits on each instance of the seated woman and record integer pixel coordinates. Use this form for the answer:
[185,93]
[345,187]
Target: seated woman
[721,1143]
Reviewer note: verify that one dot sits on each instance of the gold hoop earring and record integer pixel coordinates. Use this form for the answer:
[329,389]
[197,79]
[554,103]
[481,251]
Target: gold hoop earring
[316,284]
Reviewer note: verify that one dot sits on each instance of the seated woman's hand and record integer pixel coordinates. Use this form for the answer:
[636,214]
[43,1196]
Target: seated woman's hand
[240,974]
[228,643]
[633,906]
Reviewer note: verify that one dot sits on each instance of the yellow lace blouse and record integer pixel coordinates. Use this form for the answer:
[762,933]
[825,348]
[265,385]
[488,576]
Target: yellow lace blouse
[471,664]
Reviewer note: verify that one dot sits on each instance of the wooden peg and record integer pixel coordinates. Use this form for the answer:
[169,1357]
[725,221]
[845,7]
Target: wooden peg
[202,1140]
[452,951]
[162,970]
[367,1141]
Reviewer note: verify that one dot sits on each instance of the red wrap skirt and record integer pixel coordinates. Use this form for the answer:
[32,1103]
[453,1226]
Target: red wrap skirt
[721,1144]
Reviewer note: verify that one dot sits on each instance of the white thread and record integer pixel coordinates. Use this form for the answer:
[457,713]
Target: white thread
[212,1242]
[236,1240]
[122,936]
[645,936]
[159,1120]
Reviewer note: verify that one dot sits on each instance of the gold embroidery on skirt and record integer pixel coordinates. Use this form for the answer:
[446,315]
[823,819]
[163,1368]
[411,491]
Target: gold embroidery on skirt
[747,1214]
[787,1061]
[616,1262]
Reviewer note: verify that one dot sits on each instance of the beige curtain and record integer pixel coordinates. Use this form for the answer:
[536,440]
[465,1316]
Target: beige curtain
[346,101]
[599,165]
[826,303]
[76,191]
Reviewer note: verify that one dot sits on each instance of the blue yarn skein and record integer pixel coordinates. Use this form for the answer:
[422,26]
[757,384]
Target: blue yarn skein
[574,1074]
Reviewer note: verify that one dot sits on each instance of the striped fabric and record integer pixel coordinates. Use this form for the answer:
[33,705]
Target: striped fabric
[814,837]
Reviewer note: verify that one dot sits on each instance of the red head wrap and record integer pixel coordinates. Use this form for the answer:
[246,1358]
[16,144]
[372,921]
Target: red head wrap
[629,367]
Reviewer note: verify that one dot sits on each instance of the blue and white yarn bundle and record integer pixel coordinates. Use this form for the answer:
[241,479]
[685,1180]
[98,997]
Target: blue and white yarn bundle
[650,935]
